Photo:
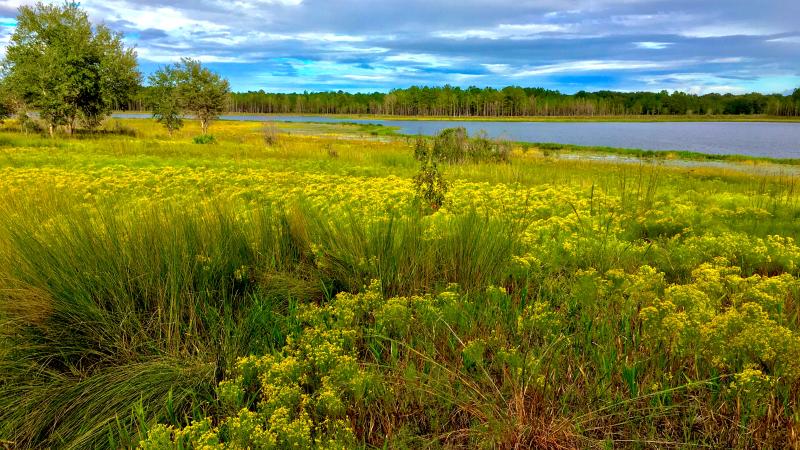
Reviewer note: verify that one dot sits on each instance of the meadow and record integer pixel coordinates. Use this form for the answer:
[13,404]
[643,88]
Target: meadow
[290,291]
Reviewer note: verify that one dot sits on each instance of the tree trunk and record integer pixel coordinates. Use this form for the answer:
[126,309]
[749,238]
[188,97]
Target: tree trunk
[71,125]
[50,128]
[204,125]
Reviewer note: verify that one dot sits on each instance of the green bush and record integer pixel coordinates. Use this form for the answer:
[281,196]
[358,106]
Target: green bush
[430,186]
[454,146]
[451,145]
[204,139]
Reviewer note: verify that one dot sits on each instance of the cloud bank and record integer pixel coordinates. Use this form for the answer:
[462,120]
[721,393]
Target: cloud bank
[570,45]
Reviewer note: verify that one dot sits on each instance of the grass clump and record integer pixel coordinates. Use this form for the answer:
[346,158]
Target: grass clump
[204,139]
[121,309]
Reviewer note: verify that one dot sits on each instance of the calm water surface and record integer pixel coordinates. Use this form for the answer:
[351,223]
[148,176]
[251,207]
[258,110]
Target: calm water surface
[770,139]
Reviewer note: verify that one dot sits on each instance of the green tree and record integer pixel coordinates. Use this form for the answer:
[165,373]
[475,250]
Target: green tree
[200,91]
[163,99]
[8,104]
[59,65]
[117,77]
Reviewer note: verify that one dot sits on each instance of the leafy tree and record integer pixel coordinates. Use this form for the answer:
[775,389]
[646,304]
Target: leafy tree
[163,99]
[8,104]
[201,91]
[796,95]
[117,77]
[62,67]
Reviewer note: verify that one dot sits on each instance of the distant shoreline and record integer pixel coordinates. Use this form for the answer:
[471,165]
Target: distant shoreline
[636,118]
[556,148]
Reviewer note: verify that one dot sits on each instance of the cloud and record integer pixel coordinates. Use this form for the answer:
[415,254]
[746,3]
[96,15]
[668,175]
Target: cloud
[579,66]
[731,60]
[652,45]
[504,31]
[423,59]
[786,40]
[296,45]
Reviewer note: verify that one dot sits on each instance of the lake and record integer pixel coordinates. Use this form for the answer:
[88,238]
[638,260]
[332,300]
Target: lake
[767,139]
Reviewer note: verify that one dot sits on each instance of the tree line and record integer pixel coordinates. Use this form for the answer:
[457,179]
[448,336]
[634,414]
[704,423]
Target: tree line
[513,101]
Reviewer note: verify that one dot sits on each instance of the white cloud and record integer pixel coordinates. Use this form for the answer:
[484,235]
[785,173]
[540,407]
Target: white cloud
[638,20]
[275,2]
[166,57]
[786,40]
[727,29]
[706,82]
[504,31]
[731,60]
[652,45]
[422,58]
[366,77]
[13,4]
[578,66]
[164,18]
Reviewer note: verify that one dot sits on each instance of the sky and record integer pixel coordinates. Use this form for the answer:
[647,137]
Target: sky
[696,46]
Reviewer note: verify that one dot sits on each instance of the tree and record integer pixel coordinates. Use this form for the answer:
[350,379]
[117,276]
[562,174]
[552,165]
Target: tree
[163,99]
[57,64]
[200,91]
[118,77]
[8,104]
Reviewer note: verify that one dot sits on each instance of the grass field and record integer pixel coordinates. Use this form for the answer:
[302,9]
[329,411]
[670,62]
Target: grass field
[166,294]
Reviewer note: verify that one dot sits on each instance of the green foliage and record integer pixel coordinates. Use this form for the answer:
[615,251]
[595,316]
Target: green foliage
[421,149]
[187,86]
[453,145]
[27,124]
[430,186]
[482,148]
[163,99]
[204,139]
[8,104]
[200,91]
[60,65]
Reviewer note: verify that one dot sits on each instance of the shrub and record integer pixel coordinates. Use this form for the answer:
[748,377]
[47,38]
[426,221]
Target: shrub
[123,130]
[270,133]
[204,139]
[453,145]
[28,124]
[332,152]
[430,186]
[482,148]
[421,149]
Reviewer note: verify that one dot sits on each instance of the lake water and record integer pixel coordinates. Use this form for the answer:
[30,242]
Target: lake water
[770,139]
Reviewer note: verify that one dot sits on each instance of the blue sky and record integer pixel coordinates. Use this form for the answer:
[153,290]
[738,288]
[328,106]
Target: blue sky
[696,46]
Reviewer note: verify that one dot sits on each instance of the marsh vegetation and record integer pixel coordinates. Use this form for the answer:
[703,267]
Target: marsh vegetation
[339,286]
[261,294]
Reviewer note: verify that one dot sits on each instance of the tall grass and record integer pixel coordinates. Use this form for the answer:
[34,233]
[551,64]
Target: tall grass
[103,310]
[161,299]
